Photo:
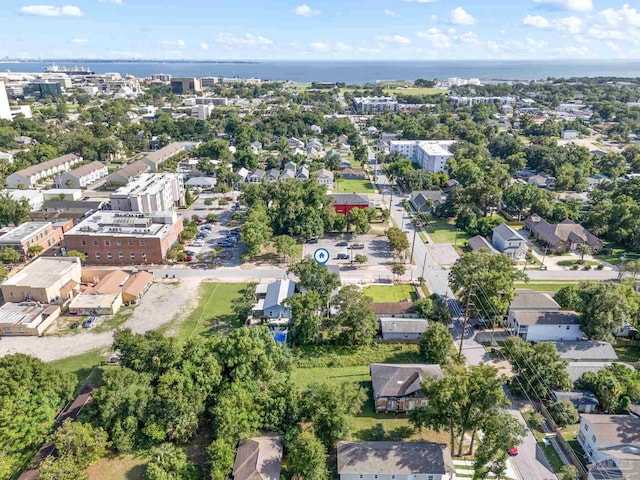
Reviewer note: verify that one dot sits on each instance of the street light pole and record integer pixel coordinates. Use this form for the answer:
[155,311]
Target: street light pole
[424,262]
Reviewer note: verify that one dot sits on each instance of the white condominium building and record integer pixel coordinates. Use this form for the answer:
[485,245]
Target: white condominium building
[431,155]
[369,105]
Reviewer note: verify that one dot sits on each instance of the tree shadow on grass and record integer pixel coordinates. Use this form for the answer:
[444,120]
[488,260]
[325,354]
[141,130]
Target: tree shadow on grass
[136,473]
[377,433]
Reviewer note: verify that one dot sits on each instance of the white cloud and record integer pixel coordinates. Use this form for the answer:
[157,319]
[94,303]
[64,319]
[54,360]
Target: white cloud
[575,5]
[436,38]
[204,46]
[306,11]
[577,51]
[248,40]
[79,40]
[625,16]
[469,37]
[117,2]
[342,47]
[619,25]
[536,21]
[568,25]
[320,46]
[394,39]
[459,16]
[173,43]
[390,13]
[51,11]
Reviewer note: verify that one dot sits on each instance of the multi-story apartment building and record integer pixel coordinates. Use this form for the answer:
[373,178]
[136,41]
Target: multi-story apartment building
[431,155]
[180,85]
[156,158]
[371,105]
[30,176]
[30,234]
[120,238]
[150,192]
[82,176]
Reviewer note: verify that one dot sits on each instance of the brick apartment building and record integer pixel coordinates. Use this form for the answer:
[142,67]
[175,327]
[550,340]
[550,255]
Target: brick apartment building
[125,238]
[29,234]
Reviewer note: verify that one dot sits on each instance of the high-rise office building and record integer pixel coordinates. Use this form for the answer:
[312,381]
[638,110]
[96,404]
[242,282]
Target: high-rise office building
[5,110]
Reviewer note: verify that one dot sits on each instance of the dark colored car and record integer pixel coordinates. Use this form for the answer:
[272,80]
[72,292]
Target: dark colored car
[312,240]
[89,322]
[342,244]
[74,325]
[191,253]
[229,199]
[343,256]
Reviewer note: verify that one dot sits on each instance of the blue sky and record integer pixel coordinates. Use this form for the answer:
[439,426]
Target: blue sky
[327,29]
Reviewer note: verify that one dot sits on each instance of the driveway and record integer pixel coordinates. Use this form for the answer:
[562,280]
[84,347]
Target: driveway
[160,305]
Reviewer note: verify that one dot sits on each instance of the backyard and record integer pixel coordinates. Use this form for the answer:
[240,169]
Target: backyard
[552,287]
[391,293]
[353,186]
[442,231]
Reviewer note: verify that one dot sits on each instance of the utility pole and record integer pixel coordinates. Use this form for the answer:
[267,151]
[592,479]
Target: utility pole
[466,319]
[413,242]
[424,262]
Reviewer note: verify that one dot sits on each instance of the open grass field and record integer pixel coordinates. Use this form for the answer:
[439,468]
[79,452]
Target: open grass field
[328,356]
[119,467]
[214,310]
[81,365]
[391,293]
[442,231]
[415,91]
[552,287]
[353,186]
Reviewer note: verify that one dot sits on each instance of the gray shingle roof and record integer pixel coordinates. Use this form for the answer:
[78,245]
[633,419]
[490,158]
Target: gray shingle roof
[397,380]
[394,458]
[587,351]
[403,325]
[506,233]
[577,397]
[349,199]
[532,300]
[278,291]
[479,242]
[259,458]
[532,317]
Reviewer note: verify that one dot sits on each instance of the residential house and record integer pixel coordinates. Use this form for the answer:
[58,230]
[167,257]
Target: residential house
[397,387]
[293,142]
[403,309]
[313,144]
[451,185]
[256,176]
[583,400]
[272,175]
[126,173]
[44,280]
[325,177]
[586,351]
[288,174]
[569,134]
[259,458]
[130,285]
[344,163]
[612,446]
[352,174]
[427,200]
[506,240]
[290,166]
[270,309]
[478,243]
[316,129]
[303,173]
[256,146]
[343,139]
[402,329]
[562,237]
[394,460]
[30,177]
[204,183]
[345,202]
[542,180]
[540,326]
[243,173]
[82,176]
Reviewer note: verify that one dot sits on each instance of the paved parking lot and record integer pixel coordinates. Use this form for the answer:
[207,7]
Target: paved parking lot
[376,248]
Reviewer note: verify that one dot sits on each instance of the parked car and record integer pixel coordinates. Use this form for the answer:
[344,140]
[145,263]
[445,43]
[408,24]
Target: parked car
[200,221]
[344,243]
[198,243]
[89,322]
[191,253]
[513,451]
[357,246]
[74,325]
[229,199]
[312,240]
[343,256]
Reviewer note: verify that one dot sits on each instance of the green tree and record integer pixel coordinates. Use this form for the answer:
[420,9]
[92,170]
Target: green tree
[169,462]
[220,459]
[569,297]
[568,472]
[307,321]
[307,457]
[35,250]
[397,240]
[188,198]
[356,322]
[616,386]
[285,246]
[583,249]
[502,432]
[9,255]
[603,310]
[315,277]
[360,259]
[76,253]
[398,269]
[435,343]
[256,231]
[538,368]
[564,413]
[330,409]
[81,441]
[62,468]
[359,218]
[486,277]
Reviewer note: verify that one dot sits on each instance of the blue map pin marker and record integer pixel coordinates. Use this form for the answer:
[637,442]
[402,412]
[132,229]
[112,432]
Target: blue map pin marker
[321,256]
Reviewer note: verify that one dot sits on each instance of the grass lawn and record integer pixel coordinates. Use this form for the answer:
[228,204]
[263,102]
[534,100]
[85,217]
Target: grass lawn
[543,287]
[612,255]
[367,425]
[442,231]
[391,293]
[628,354]
[119,467]
[81,365]
[570,434]
[571,263]
[213,311]
[353,186]
[333,357]
[415,91]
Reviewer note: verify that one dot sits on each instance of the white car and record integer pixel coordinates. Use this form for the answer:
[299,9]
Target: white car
[197,243]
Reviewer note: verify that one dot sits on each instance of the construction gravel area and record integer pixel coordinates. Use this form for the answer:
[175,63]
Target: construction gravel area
[163,303]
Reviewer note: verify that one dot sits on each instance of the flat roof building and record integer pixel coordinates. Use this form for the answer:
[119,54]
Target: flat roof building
[150,192]
[30,234]
[125,238]
[95,303]
[45,280]
[26,318]
[180,85]
[369,105]
[431,155]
